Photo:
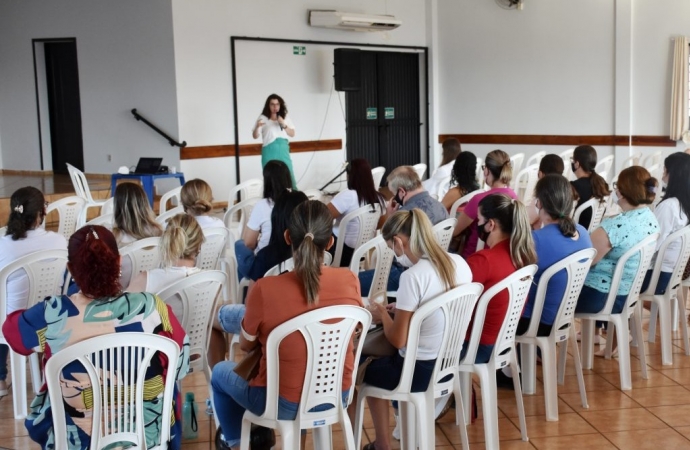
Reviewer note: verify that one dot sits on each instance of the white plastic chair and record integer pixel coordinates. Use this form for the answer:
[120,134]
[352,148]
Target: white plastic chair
[442,189]
[46,272]
[525,181]
[81,188]
[420,169]
[651,159]
[463,200]
[243,210]
[604,167]
[106,220]
[254,187]
[443,231]
[108,207]
[516,163]
[163,218]
[662,305]
[456,305]
[289,265]
[173,196]
[479,172]
[327,347]
[645,250]
[377,174]
[118,395]
[215,240]
[503,354]
[598,208]
[632,160]
[535,159]
[575,268]
[141,255]
[384,257]
[567,169]
[368,217]
[69,210]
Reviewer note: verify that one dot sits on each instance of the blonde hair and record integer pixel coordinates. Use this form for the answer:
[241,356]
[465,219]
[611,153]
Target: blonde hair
[499,165]
[182,239]
[511,216]
[196,197]
[133,214]
[417,227]
[310,230]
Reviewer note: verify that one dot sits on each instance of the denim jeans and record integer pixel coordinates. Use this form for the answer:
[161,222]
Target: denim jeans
[664,278]
[4,353]
[245,258]
[230,318]
[366,277]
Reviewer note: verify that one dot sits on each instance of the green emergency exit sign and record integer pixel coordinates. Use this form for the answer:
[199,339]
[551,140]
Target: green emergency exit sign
[299,50]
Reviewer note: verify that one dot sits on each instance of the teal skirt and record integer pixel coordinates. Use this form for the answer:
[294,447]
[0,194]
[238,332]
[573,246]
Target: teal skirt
[280,150]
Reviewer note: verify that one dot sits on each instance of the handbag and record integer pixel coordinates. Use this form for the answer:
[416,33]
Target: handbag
[248,367]
[376,343]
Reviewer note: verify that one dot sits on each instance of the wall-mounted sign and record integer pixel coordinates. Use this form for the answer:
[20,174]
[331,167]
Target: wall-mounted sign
[389,113]
[299,50]
[371,114]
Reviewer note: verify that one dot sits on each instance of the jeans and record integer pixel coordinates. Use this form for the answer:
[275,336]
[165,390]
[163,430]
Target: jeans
[245,258]
[366,277]
[230,318]
[483,353]
[662,284]
[592,301]
[4,353]
[232,396]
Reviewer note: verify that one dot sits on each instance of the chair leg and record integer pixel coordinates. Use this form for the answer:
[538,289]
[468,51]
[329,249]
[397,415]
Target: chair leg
[578,366]
[466,390]
[323,438]
[18,364]
[487,376]
[563,355]
[674,313]
[665,331]
[529,368]
[408,435]
[359,419]
[245,436]
[683,322]
[637,327]
[36,373]
[518,397]
[651,331]
[610,330]
[621,327]
[549,373]
[460,420]
[587,328]
[348,435]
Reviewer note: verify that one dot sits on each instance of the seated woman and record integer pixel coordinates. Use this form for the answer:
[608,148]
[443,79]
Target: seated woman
[549,164]
[589,183]
[196,198]
[277,180]
[133,217]
[463,180]
[672,214]
[498,172]
[179,247]
[99,308]
[432,271]
[504,227]
[310,286]
[278,250]
[360,192]
[634,191]
[24,235]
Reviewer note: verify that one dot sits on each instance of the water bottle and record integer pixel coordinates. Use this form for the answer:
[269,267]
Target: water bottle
[190,427]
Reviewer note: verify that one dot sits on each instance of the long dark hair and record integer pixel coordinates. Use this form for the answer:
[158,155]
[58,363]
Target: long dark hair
[26,205]
[451,150]
[556,197]
[282,112]
[276,179]
[464,172]
[586,156]
[678,169]
[280,219]
[360,180]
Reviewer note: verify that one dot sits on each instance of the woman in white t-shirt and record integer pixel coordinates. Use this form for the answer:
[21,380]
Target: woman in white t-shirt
[258,230]
[275,128]
[360,191]
[133,216]
[432,271]
[451,150]
[24,236]
[196,197]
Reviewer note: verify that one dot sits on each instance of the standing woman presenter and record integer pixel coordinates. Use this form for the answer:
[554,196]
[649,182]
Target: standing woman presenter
[275,128]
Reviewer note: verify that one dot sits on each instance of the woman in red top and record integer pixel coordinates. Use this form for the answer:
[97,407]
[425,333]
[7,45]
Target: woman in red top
[504,227]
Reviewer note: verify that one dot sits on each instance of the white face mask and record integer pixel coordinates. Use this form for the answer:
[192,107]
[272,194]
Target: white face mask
[614,197]
[403,260]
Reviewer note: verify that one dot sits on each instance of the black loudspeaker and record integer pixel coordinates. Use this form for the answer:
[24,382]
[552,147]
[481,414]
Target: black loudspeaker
[346,64]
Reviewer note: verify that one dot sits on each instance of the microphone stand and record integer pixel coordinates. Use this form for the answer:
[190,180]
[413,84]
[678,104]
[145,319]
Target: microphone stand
[333,179]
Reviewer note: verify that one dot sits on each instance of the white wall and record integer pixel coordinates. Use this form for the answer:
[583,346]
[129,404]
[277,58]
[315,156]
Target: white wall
[126,60]
[204,83]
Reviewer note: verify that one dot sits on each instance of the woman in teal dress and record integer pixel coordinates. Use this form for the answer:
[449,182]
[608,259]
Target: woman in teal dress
[275,128]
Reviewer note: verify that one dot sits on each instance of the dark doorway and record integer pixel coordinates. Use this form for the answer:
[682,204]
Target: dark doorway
[64,105]
[383,117]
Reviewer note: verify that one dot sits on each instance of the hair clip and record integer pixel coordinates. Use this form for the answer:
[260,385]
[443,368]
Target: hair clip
[309,235]
[652,189]
[95,235]
[19,209]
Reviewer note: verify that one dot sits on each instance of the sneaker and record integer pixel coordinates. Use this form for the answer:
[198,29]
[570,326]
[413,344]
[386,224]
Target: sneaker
[598,339]
[396,430]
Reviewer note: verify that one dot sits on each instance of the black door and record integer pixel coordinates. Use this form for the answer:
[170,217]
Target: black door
[383,117]
[64,106]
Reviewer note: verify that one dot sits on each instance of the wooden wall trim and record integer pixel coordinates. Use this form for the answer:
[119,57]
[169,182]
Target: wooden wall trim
[221,151]
[549,139]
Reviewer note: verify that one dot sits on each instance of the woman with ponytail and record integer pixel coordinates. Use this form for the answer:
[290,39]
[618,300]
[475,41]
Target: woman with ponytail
[196,198]
[589,183]
[432,271]
[498,172]
[98,308]
[271,302]
[24,235]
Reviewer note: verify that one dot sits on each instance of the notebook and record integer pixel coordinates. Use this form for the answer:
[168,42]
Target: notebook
[148,166]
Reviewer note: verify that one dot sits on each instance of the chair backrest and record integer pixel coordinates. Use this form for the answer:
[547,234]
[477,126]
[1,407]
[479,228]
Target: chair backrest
[163,218]
[215,240]
[535,159]
[384,259]
[462,200]
[442,189]
[68,210]
[377,174]
[516,161]
[525,181]
[518,285]
[567,169]
[576,267]
[479,172]
[651,159]
[144,254]
[443,231]
[174,196]
[682,240]
[108,207]
[243,210]
[368,217]
[289,265]
[327,347]
[632,160]
[199,294]
[45,270]
[598,208]
[105,220]
[116,366]
[81,186]
[420,169]
[604,167]
[254,187]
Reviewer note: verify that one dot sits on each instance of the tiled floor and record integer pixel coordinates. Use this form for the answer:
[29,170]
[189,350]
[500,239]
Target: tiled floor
[655,414]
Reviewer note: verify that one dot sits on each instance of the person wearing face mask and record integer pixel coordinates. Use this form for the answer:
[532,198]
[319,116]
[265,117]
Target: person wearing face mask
[498,172]
[504,227]
[589,183]
[549,164]
[433,271]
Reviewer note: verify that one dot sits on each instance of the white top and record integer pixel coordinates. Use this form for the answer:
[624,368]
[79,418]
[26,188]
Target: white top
[432,185]
[671,218]
[18,282]
[209,222]
[419,284]
[260,220]
[157,279]
[270,130]
[346,202]
[123,239]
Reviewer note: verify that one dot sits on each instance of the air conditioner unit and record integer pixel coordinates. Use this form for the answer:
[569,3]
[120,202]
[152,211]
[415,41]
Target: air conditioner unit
[352,21]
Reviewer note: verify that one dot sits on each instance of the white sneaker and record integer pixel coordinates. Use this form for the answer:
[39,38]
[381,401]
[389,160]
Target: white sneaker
[598,339]
[396,430]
